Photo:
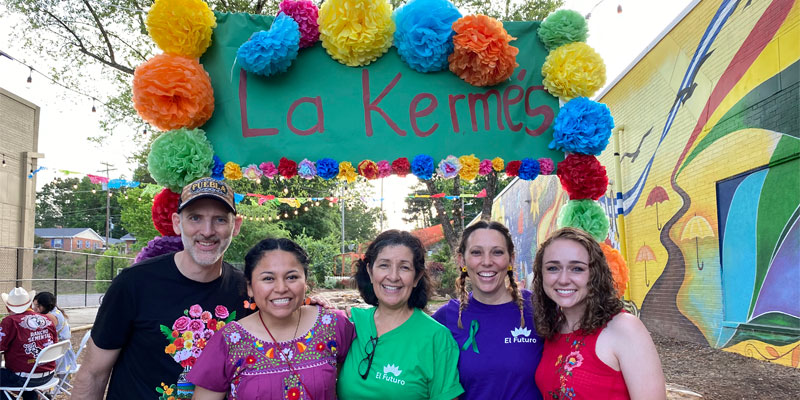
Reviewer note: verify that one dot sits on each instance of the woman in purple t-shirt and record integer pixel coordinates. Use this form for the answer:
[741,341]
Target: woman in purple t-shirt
[493,324]
[285,350]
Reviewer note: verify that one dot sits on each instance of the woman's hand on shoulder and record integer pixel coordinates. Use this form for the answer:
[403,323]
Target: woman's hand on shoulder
[638,357]
[318,300]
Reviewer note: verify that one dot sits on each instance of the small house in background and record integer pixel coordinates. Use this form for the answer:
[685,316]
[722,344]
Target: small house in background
[70,239]
[129,240]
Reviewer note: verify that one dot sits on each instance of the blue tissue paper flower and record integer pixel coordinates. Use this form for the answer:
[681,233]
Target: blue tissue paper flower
[582,126]
[529,169]
[270,52]
[327,168]
[422,166]
[424,33]
[218,169]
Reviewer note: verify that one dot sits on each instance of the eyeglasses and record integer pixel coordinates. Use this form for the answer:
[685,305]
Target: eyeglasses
[366,363]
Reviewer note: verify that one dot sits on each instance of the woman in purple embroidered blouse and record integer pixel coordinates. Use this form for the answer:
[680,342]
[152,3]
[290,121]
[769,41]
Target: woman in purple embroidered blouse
[285,350]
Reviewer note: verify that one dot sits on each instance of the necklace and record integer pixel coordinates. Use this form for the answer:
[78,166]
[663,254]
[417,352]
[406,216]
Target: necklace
[280,350]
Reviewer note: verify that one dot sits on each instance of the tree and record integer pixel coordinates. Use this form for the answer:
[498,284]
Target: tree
[253,232]
[71,203]
[137,217]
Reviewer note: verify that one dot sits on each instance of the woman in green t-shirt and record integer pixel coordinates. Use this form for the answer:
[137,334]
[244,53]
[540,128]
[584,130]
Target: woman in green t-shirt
[399,351]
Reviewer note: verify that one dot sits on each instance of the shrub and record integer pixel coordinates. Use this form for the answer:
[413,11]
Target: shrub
[105,269]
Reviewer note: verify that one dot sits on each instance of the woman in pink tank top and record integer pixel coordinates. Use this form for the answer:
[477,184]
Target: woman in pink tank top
[592,349]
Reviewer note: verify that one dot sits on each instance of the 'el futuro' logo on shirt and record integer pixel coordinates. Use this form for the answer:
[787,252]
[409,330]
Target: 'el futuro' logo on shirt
[520,335]
[388,371]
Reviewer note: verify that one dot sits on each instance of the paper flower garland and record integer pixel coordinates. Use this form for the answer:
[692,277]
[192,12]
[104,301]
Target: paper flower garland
[583,177]
[512,169]
[449,167]
[347,172]
[485,167]
[546,166]
[384,169]
[181,27]
[356,32]
[164,204]
[270,52]
[618,267]
[268,169]
[563,27]
[172,92]
[586,215]
[528,169]
[582,126]
[217,169]
[233,171]
[498,165]
[287,168]
[401,167]
[422,166]
[252,172]
[424,33]
[573,70]
[482,55]
[179,157]
[368,169]
[306,169]
[327,168]
[159,246]
[469,167]
[305,13]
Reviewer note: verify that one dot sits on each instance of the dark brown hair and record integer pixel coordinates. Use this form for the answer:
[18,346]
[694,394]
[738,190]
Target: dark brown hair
[420,293]
[602,303]
[461,282]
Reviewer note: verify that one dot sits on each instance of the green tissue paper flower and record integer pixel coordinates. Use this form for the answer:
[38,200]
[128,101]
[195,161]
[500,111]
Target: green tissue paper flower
[587,215]
[563,27]
[179,157]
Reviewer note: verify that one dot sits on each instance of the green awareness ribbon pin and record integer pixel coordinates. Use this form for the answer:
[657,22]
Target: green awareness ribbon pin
[473,330]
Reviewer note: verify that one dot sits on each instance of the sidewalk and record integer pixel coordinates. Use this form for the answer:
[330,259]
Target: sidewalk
[81,318]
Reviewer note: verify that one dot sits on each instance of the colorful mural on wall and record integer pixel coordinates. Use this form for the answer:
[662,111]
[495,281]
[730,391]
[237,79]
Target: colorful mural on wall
[709,123]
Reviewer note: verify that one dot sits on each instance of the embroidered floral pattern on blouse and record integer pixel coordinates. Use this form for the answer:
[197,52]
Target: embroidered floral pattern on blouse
[187,338]
[567,364]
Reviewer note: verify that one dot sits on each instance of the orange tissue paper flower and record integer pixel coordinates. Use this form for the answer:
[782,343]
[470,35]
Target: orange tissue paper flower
[618,267]
[482,55]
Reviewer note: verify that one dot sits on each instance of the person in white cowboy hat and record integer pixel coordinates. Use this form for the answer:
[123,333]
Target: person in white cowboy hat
[23,334]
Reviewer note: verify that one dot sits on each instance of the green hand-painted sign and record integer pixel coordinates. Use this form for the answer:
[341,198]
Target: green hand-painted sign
[321,108]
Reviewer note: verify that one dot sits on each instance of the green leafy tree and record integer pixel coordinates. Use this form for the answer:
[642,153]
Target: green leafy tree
[253,232]
[106,269]
[71,203]
[321,253]
[137,217]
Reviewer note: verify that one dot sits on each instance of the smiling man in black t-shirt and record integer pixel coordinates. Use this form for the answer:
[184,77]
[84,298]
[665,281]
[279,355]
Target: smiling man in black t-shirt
[157,315]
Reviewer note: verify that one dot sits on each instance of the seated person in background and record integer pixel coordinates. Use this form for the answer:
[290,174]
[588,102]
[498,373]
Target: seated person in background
[23,334]
[45,303]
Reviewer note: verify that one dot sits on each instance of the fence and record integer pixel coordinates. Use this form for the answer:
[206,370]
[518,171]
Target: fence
[77,279]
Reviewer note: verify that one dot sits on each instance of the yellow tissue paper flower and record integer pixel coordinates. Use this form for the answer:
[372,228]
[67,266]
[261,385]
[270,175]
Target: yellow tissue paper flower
[498,164]
[181,27]
[469,167]
[573,70]
[232,171]
[356,32]
[347,172]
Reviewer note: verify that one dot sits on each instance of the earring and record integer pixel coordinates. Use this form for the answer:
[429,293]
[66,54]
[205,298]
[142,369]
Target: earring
[463,269]
[510,267]
[250,305]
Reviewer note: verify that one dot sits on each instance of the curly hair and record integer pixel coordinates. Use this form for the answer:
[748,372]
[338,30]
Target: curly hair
[461,282]
[420,294]
[602,303]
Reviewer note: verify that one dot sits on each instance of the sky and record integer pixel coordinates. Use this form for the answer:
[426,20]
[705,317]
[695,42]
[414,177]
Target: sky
[66,119]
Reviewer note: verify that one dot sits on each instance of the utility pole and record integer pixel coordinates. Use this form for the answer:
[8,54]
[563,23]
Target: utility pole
[108,202]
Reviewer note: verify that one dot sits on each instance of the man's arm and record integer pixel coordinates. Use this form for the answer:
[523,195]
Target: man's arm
[92,378]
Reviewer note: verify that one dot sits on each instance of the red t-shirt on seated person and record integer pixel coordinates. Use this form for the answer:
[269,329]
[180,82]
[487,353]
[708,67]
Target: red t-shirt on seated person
[22,337]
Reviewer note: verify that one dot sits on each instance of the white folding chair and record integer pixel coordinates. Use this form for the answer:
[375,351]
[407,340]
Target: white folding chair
[64,384]
[51,353]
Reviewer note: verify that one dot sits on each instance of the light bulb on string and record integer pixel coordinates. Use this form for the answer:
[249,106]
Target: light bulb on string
[285,190]
[295,212]
[4,160]
[330,204]
[94,190]
[109,194]
[285,215]
[305,208]
[30,75]
[619,9]
[270,219]
[75,187]
[94,109]
[277,217]
[258,181]
[144,130]
[316,204]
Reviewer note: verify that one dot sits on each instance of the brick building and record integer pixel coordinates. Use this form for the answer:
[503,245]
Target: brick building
[71,239]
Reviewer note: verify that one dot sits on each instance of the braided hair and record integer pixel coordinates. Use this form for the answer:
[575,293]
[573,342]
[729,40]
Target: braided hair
[461,285]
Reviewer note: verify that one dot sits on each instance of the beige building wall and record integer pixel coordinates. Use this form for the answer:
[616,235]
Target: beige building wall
[19,143]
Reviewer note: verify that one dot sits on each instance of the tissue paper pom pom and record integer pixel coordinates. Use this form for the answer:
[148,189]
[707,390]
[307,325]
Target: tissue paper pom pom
[449,167]
[469,167]
[528,169]
[586,215]
[573,70]
[401,167]
[305,13]
[384,169]
[233,171]
[252,172]
[327,168]
[618,267]
[582,126]
[481,54]
[346,172]
[546,166]
[179,157]
[217,169]
[159,246]
[368,169]
[485,167]
[422,166]
[172,92]
[181,27]
[512,169]
[424,33]
[164,204]
[268,169]
[563,27]
[270,52]
[287,168]
[306,169]
[356,32]
[498,164]
[582,177]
